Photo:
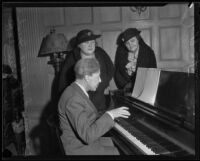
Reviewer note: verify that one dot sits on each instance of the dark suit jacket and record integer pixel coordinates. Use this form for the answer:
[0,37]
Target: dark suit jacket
[81,126]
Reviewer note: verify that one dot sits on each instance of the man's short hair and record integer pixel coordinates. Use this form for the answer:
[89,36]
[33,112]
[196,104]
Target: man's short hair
[86,66]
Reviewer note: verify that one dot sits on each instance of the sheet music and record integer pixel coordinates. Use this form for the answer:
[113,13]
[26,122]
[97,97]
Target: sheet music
[147,85]
[139,82]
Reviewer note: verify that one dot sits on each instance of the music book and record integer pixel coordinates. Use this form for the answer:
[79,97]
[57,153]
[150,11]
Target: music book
[139,82]
[146,84]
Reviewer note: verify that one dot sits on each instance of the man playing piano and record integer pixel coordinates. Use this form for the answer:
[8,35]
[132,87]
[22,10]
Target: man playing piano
[82,127]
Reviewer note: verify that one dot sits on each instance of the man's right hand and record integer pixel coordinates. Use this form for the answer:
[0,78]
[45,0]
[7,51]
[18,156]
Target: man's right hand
[120,112]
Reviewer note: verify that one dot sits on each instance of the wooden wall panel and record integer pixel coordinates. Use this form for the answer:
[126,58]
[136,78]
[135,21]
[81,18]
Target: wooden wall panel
[170,11]
[53,16]
[146,35]
[131,15]
[170,43]
[191,43]
[109,44]
[81,15]
[191,11]
[110,14]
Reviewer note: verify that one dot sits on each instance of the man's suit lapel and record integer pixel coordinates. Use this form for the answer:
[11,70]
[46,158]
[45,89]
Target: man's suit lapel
[85,97]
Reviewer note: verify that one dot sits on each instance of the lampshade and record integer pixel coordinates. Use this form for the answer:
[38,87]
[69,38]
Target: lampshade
[53,43]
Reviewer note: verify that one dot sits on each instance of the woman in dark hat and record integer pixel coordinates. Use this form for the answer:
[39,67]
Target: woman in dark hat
[85,47]
[132,52]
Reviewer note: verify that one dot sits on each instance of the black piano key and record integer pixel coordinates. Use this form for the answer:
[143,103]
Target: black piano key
[150,134]
[146,139]
[180,153]
[173,147]
[159,149]
[157,138]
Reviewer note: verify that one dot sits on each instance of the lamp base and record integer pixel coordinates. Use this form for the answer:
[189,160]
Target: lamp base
[56,63]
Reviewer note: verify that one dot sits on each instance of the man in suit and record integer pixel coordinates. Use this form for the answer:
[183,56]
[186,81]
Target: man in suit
[81,125]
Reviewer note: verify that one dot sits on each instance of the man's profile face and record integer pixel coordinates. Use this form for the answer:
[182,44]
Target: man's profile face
[94,80]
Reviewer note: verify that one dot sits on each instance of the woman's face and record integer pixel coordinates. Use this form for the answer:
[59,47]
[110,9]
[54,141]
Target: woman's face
[87,47]
[132,44]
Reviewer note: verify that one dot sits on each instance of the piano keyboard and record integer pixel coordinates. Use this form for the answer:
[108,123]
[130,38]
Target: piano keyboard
[134,140]
[144,142]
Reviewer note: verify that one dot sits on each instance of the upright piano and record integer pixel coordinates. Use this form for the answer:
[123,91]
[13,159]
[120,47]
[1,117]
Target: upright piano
[162,120]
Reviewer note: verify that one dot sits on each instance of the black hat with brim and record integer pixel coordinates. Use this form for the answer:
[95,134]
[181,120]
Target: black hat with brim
[85,35]
[129,33]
